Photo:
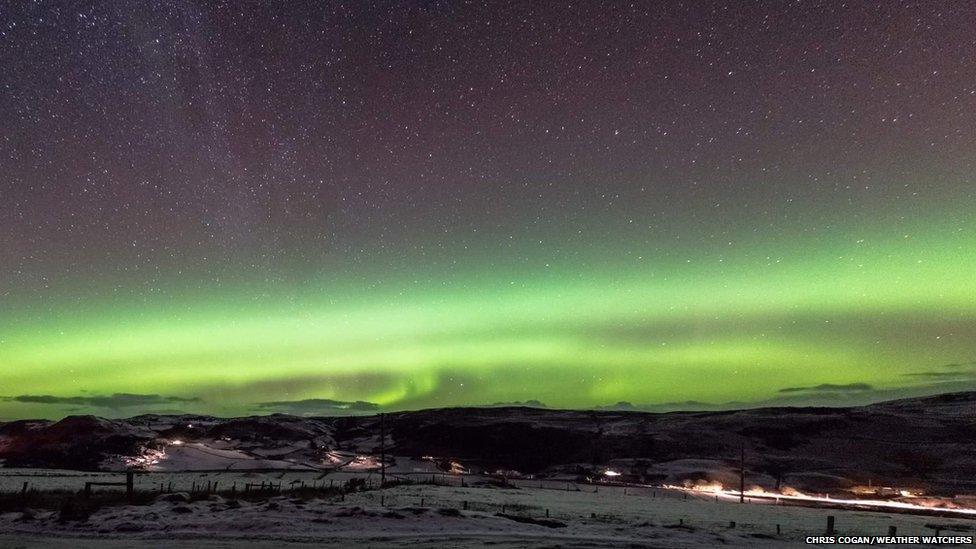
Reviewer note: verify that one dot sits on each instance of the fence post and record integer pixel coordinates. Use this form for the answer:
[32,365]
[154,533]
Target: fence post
[87,489]
[830,525]
[892,531]
[129,484]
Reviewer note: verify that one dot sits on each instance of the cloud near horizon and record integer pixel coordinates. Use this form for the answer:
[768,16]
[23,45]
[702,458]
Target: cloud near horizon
[532,403]
[829,387]
[311,406]
[113,401]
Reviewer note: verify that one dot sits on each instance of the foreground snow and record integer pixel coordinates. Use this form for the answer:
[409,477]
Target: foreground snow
[449,516]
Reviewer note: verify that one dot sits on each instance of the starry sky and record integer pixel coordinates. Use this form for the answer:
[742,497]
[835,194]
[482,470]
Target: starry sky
[340,207]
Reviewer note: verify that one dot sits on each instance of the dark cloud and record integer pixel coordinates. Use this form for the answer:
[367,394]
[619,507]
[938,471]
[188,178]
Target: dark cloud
[958,371]
[829,387]
[624,406]
[854,394]
[521,403]
[942,375]
[117,400]
[971,364]
[318,406]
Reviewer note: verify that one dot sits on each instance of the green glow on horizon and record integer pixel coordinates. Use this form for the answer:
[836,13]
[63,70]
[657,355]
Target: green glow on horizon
[713,326]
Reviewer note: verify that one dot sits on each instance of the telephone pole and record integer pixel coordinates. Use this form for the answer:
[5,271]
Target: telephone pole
[382,450]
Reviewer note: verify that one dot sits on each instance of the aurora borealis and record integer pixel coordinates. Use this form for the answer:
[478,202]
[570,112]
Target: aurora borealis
[223,208]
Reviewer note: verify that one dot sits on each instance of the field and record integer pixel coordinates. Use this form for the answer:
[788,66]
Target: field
[529,513]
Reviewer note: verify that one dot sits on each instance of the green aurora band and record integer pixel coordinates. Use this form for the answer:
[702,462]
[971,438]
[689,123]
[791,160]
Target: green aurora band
[739,323]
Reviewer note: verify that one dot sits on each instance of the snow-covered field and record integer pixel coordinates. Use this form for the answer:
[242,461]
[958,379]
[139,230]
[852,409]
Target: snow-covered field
[454,516]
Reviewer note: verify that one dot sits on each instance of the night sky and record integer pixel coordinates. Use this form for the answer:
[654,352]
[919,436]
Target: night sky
[334,207]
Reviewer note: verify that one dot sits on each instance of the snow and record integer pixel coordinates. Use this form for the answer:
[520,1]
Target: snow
[411,515]
[199,456]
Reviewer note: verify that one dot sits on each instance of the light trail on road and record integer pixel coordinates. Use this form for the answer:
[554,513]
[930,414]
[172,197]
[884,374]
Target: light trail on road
[805,498]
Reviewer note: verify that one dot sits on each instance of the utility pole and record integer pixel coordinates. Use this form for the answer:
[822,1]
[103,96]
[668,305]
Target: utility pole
[742,474]
[382,450]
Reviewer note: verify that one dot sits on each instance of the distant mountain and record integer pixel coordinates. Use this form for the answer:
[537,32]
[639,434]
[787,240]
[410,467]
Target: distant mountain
[927,443]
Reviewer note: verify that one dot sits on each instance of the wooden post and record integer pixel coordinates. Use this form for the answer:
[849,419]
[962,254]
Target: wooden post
[777,530]
[742,474]
[465,505]
[23,491]
[547,513]
[233,490]
[169,487]
[731,524]
[129,484]
[830,525]
[892,531]
[87,489]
